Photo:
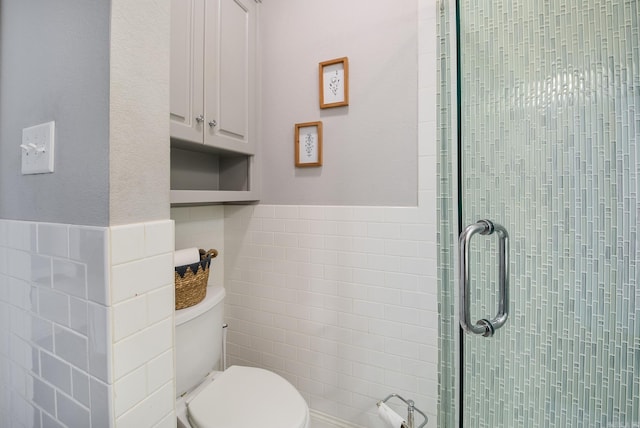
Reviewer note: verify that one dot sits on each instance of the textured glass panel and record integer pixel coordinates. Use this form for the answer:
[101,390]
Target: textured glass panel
[550,99]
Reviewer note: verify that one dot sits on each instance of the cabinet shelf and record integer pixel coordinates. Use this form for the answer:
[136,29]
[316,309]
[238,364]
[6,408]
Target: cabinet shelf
[211,176]
[204,197]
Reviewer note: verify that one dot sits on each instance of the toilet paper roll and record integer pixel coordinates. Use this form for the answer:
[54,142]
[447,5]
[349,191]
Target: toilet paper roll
[186,256]
[391,418]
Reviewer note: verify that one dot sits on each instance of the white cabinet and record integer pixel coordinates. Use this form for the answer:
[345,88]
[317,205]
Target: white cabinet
[187,70]
[214,91]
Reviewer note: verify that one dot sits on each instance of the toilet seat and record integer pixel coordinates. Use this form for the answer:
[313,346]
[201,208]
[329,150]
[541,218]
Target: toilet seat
[245,397]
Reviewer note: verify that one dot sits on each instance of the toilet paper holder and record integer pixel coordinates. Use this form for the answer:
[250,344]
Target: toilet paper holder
[411,408]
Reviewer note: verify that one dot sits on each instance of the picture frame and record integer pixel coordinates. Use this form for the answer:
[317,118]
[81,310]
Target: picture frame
[308,144]
[334,83]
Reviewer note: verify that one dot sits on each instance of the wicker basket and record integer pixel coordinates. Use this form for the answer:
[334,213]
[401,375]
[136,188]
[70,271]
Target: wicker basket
[191,280]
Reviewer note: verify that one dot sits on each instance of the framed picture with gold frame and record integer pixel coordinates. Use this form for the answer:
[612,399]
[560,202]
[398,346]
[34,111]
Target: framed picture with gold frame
[308,144]
[334,83]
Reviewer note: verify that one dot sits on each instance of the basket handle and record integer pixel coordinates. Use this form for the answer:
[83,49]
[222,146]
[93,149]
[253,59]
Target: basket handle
[213,253]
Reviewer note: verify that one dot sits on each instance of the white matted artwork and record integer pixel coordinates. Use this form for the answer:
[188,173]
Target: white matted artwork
[334,83]
[308,144]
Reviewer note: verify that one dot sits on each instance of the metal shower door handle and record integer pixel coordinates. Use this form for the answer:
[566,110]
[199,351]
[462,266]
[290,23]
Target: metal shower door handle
[484,327]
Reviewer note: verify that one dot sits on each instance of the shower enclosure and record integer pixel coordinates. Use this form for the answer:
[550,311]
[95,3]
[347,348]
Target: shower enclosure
[539,132]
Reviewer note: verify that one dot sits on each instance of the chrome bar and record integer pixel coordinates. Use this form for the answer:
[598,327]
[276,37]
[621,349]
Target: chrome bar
[484,326]
[411,408]
[503,278]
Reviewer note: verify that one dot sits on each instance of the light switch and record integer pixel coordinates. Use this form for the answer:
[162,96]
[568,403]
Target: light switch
[37,148]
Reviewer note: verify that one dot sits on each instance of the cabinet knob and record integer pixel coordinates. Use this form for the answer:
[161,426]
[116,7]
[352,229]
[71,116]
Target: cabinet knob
[200,119]
[212,123]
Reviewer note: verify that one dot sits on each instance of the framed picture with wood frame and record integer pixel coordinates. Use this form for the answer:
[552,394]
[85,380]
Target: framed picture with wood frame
[334,83]
[308,144]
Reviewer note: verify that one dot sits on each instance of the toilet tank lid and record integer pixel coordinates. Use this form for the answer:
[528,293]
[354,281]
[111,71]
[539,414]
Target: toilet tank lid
[214,295]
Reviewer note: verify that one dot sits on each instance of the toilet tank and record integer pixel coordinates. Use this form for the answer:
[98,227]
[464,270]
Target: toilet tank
[199,340]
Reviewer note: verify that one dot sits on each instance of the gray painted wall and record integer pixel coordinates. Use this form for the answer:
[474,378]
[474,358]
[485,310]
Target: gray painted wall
[100,69]
[370,147]
[54,65]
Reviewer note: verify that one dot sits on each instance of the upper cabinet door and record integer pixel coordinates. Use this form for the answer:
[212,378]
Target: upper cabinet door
[230,74]
[187,70]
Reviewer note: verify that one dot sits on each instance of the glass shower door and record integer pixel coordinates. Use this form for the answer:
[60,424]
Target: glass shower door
[549,99]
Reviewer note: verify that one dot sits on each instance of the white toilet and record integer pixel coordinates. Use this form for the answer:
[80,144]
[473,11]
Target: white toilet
[239,397]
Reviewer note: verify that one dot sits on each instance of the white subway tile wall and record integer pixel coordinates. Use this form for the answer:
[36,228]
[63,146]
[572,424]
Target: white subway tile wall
[53,349]
[62,339]
[348,321]
[143,324]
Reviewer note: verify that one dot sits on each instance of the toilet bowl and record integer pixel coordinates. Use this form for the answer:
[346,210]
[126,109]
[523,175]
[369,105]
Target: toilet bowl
[238,397]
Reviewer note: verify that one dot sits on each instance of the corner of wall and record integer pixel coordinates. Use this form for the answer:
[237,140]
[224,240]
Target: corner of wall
[139,110]
[142,335]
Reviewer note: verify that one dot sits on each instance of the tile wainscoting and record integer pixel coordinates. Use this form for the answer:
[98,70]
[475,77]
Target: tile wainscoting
[341,301]
[86,325]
